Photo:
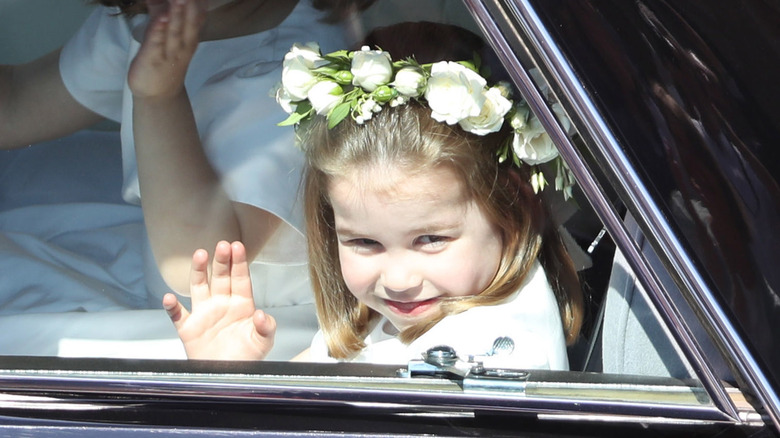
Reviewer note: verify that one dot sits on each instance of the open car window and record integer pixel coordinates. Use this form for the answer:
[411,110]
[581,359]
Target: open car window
[650,352]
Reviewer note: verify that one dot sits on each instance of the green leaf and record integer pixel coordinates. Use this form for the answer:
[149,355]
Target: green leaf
[338,54]
[477,61]
[293,119]
[469,65]
[338,113]
[303,110]
[326,70]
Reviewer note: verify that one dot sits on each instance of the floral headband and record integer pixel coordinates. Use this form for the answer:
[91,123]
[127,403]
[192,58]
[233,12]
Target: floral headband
[358,84]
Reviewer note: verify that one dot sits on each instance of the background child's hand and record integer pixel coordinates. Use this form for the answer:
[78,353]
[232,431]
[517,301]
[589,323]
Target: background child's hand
[224,323]
[160,66]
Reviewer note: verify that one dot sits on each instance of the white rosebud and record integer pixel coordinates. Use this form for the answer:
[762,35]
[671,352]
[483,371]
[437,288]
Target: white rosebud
[324,96]
[454,92]
[371,68]
[284,100]
[297,77]
[520,117]
[491,117]
[505,88]
[532,144]
[409,81]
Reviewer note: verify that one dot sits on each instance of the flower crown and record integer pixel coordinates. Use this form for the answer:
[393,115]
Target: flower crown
[357,84]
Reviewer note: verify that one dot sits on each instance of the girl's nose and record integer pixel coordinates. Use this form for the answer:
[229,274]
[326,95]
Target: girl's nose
[400,274]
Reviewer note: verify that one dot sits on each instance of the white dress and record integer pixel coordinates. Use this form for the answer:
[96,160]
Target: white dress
[229,83]
[530,317]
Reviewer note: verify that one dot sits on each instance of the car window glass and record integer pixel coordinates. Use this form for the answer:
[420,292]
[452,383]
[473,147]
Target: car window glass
[623,334]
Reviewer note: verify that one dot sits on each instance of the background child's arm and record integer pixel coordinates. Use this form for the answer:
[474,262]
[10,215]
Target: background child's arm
[35,105]
[184,205]
[224,323]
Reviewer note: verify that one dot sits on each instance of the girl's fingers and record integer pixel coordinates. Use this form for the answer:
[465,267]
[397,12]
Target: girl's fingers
[173,42]
[199,277]
[175,310]
[194,16]
[240,280]
[220,269]
[155,38]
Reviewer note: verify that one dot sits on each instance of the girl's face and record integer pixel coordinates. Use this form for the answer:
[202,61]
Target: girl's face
[411,240]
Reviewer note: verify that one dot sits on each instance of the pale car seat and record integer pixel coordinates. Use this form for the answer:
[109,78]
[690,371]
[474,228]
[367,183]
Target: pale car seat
[634,338]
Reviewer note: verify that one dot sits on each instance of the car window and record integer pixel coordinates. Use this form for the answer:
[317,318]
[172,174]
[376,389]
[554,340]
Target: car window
[100,339]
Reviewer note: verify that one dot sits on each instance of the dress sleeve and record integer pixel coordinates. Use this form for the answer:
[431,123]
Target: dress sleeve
[257,161]
[93,63]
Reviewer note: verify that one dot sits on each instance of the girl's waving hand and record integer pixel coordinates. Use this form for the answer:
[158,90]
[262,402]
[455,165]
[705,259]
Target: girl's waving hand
[224,323]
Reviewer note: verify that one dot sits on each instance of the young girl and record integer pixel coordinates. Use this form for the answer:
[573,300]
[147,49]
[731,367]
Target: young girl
[419,234]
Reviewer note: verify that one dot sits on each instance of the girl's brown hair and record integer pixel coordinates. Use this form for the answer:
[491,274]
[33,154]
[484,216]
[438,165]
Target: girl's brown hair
[407,137]
[337,9]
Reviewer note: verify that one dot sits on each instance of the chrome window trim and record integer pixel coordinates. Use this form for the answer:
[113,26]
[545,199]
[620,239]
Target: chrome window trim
[635,194]
[558,395]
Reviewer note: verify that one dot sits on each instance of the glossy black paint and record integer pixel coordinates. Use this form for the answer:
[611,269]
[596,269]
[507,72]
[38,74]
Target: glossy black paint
[690,89]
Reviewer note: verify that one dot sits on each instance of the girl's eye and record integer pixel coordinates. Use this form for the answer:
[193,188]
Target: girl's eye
[431,240]
[363,244]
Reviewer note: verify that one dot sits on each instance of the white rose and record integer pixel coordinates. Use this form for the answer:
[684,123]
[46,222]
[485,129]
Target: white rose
[409,81]
[324,96]
[491,117]
[454,92]
[532,144]
[297,77]
[371,68]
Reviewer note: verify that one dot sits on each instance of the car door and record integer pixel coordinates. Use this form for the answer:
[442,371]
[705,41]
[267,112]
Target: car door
[682,294]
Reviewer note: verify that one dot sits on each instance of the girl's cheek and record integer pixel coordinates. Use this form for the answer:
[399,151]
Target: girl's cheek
[462,274]
[353,269]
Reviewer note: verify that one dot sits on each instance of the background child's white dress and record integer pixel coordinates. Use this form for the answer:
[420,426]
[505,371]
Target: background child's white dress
[530,317]
[70,243]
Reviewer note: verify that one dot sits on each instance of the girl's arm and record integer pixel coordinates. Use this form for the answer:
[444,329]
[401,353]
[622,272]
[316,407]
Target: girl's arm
[35,105]
[224,323]
[184,205]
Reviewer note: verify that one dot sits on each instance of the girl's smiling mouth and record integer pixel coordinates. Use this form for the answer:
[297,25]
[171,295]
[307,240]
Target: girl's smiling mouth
[411,308]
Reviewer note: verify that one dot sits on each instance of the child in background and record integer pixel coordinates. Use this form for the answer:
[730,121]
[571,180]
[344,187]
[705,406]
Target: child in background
[198,139]
[421,230]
